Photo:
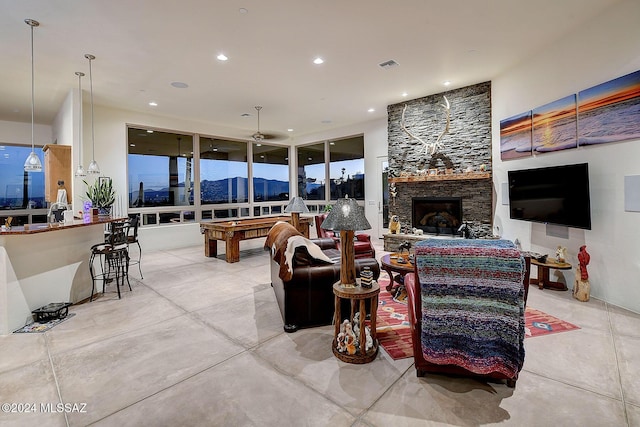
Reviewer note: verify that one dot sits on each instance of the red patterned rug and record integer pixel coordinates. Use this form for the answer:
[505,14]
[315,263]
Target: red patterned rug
[538,323]
[394,335]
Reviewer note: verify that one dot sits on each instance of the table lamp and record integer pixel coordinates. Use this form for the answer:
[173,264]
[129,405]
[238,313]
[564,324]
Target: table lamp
[347,217]
[295,207]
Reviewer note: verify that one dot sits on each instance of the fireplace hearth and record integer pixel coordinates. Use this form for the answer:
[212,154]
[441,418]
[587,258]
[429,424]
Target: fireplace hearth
[437,215]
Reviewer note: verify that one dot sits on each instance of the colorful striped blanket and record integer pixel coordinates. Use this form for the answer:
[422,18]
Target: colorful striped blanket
[472,304]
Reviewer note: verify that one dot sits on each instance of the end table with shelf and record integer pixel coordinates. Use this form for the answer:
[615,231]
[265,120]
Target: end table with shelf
[357,297]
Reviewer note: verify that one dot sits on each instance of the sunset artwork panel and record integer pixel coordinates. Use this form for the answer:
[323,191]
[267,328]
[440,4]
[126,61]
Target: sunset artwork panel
[555,125]
[610,112]
[515,136]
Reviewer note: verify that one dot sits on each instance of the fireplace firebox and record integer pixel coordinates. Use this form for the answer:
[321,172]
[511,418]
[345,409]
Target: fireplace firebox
[437,215]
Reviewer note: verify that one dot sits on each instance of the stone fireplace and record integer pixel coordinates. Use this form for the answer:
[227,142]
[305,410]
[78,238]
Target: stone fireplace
[459,170]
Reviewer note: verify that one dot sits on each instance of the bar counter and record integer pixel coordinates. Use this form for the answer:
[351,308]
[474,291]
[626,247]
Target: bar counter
[41,264]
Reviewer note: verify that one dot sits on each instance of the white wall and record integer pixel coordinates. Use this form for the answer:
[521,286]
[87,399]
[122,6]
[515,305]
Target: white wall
[20,133]
[597,52]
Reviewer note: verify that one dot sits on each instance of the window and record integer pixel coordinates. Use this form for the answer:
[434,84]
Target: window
[224,171]
[20,189]
[160,168]
[270,173]
[311,172]
[346,168]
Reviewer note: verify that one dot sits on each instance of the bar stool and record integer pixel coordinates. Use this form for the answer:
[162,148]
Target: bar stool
[113,258]
[132,237]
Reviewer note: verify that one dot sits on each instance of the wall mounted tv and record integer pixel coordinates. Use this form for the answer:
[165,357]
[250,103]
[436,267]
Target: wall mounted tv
[553,195]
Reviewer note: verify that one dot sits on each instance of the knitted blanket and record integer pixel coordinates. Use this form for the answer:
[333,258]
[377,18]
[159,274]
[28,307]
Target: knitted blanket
[472,304]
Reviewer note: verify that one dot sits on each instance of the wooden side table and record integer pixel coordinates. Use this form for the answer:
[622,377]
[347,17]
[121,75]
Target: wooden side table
[543,274]
[391,265]
[357,297]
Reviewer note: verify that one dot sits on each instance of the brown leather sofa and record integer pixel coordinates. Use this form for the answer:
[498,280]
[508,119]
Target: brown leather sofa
[362,243]
[305,296]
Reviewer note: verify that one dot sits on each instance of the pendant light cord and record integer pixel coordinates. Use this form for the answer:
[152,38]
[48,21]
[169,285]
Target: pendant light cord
[93,138]
[32,93]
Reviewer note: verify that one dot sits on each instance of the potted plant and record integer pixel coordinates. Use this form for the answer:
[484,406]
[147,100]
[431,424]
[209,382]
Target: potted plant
[102,195]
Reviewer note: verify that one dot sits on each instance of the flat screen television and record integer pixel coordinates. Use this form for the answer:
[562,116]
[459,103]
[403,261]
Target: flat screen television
[553,195]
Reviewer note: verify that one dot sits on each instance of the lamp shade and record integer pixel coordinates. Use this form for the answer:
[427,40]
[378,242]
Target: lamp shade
[346,214]
[296,205]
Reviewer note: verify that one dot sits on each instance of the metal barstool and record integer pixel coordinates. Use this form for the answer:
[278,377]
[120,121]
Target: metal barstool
[113,257]
[132,237]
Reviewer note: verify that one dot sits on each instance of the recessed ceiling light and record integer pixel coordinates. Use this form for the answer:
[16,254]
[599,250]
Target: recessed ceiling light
[245,115]
[243,10]
[215,149]
[132,145]
[179,85]
[371,110]
[289,130]
[332,143]
[318,61]
[149,131]
[222,57]
[405,94]
[258,145]
[153,104]
[446,83]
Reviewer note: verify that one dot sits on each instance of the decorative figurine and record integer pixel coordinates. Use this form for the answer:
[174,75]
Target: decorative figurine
[394,225]
[561,254]
[366,278]
[582,288]
[393,192]
[404,245]
[350,338]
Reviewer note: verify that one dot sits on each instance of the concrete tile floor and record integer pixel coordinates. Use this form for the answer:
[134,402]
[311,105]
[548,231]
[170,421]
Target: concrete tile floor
[200,342]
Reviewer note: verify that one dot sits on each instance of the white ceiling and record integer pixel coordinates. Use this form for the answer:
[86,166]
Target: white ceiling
[142,46]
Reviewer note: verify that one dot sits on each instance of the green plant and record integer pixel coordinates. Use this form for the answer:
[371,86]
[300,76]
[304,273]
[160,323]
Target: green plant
[101,193]
[327,208]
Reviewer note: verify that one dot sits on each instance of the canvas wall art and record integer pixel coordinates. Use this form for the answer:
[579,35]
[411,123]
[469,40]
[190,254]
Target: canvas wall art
[610,112]
[515,136]
[555,125]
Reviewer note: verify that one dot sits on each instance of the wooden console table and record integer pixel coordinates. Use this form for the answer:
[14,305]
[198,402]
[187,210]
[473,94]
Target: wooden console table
[543,274]
[231,232]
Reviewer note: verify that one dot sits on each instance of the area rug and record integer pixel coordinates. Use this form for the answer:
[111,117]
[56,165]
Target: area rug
[42,327]
[392,325]
[538,323]
[394,335]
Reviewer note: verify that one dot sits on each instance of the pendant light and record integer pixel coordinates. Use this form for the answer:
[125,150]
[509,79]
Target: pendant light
[93,166]
[80,172]
[258,137]
[32,164]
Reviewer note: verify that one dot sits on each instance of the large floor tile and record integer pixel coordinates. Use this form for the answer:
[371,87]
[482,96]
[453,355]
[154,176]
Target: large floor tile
[624,322]
[633,415]
[583,357]
[160,279]
[591,314]
[247,320]
[306,355]
[192,296]
[628,349]
[21,349]
[30,386]
[243,391]
[115,373]
[106,317]
[438,400]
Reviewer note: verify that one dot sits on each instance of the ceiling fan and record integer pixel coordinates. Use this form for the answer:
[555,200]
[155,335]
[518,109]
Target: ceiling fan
[258,137]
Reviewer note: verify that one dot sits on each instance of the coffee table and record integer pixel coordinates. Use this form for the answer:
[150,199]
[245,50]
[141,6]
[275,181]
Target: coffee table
[391,265]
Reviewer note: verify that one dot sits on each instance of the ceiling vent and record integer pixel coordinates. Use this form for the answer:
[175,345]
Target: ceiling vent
[388,64]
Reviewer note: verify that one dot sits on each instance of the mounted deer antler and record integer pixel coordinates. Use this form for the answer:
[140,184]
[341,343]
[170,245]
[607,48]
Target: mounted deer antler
[430,147]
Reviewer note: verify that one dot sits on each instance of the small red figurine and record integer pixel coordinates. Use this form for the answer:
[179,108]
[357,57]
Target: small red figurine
[583,258]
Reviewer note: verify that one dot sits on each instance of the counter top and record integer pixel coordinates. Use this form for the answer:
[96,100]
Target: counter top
[43,228]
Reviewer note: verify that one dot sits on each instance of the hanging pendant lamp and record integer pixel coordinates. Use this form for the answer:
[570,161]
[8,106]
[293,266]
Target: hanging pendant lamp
[80,172]
[32,164]
[93,166]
